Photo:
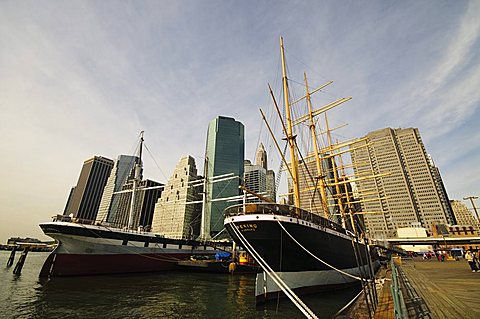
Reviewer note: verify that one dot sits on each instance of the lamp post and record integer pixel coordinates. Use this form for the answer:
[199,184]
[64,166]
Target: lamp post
[471,198]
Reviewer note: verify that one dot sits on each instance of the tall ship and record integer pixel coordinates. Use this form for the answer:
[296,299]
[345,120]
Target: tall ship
[304,250]
[88,248]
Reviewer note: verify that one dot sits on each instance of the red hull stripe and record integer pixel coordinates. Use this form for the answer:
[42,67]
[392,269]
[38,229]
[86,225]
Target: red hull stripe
[86,264]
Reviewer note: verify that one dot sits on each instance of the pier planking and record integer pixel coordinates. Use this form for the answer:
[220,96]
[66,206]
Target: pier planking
[449,289]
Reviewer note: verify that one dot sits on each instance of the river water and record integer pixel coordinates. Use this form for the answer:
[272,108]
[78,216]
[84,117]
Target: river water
[160,295]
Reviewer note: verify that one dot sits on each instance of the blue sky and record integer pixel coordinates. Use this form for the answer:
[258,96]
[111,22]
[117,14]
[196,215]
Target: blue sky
[83,78]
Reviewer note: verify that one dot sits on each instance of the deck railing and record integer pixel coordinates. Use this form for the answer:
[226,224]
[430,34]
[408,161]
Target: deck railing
[283,210]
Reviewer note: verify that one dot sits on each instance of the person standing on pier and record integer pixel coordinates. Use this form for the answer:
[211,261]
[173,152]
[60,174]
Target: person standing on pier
[470,257]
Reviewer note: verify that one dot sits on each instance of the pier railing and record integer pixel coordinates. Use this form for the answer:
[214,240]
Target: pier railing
[398,301]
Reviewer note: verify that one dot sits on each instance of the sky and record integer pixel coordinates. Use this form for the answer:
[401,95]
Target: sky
[83,78]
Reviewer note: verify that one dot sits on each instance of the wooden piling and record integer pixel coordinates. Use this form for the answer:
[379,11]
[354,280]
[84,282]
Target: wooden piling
[11,259]
[21,261]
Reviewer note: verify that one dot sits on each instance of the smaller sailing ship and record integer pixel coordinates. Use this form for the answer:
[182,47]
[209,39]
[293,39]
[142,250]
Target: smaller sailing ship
[298,250]
[91,249]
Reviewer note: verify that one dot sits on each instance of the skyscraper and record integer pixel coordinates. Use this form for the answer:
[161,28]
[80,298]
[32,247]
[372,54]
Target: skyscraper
[405,190]
[259,179]
[261,157]
[146,196]
[121,172]
[85,199]
[225,151]
[173,216]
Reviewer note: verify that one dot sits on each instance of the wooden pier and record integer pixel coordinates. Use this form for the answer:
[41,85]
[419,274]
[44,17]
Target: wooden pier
[430,289]
[446,289]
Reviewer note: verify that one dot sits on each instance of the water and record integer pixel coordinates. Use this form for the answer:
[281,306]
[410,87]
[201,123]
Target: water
[161,295]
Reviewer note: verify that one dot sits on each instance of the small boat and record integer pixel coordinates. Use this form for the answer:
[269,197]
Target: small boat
[296,248]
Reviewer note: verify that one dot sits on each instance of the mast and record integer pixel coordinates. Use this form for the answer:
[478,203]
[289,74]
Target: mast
[290,136]
[203,224]
[136,179]
[335,174]
[319,176]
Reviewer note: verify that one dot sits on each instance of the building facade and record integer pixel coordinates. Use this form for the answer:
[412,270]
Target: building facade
[463,215]
[122,171]
[85,199]
[174,217]
[225,152]
[404,190]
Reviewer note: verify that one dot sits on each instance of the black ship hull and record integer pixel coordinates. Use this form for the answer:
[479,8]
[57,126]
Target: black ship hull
[310,254]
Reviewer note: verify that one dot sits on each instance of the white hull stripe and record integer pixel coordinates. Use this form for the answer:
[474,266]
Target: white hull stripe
[283,219]
[303,279]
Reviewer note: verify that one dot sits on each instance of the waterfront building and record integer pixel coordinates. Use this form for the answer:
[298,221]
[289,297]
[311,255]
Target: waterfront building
[85,198]
[122,171]
[406,188]
[463,215]
[146,196]
[225,152]
[174,217]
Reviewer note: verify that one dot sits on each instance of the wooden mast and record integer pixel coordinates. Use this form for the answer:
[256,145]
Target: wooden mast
[289,134]
[320,176]
[137,178]
[335,174]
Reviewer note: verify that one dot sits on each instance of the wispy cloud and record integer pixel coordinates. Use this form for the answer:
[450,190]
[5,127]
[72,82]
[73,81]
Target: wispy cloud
[82,78]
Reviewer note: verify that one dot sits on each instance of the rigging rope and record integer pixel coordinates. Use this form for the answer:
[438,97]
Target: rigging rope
[169,259]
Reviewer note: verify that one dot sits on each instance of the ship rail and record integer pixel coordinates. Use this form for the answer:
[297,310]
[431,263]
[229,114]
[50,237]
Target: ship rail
[283,210]
[68,219]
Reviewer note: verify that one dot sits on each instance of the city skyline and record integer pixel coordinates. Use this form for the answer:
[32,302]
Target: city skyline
[83,78]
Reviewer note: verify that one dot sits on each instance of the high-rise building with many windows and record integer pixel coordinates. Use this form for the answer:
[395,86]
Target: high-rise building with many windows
[176,216]
[258,178]
[85,199]
[463,215]
[406,187]
[122,171]
[225,152]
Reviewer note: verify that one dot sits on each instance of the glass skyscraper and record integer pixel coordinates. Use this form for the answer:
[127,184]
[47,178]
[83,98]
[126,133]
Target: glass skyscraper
[225,152]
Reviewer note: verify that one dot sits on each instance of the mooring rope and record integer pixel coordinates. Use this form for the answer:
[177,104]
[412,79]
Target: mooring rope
[280,283]
[320,260]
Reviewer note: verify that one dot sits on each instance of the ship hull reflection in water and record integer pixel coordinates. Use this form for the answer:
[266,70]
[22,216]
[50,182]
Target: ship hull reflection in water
[172,294]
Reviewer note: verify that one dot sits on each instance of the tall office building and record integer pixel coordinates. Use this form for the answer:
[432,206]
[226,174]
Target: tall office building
[255,180]
[405,190]
[442,191]
[173,216]
[146,196]
[85,198]
[225,151]
[122,171]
